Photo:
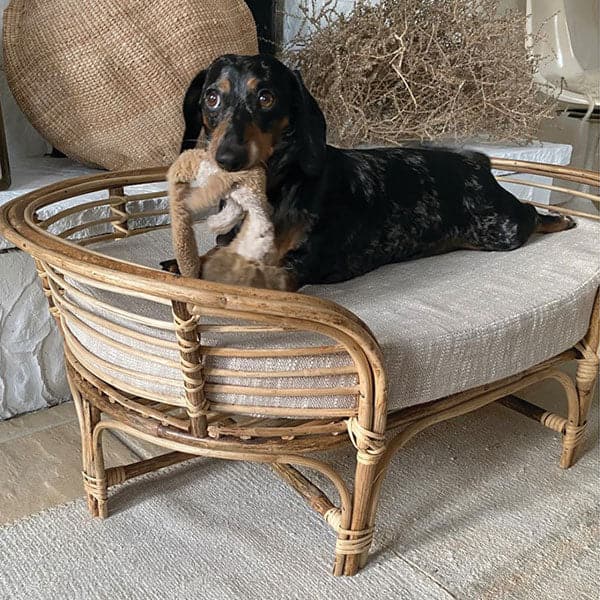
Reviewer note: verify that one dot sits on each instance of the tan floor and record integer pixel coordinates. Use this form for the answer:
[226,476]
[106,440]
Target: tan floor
[40,460]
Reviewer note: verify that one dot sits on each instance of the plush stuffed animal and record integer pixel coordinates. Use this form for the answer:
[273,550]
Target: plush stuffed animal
[196,183]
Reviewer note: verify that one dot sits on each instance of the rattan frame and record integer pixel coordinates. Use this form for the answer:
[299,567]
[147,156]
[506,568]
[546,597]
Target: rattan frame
[195,426]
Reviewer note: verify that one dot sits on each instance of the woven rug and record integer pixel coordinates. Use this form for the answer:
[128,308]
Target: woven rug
[476,508]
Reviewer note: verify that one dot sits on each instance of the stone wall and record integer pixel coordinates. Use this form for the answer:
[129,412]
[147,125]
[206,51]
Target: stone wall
[32,373]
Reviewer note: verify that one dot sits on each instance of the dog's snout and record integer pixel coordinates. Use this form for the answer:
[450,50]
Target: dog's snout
[231,157]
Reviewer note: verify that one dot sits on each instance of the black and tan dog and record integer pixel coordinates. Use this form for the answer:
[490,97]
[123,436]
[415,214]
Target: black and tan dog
[340,213]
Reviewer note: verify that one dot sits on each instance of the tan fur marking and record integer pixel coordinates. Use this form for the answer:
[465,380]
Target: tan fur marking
[279,126]
[224,85]
[262,141]
[289,240]
[216,136]
[558,225]
[252,84]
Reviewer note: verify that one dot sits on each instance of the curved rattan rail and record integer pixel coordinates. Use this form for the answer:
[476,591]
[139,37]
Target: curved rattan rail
[194,422]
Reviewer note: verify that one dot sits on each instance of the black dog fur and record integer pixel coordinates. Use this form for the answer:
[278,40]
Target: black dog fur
[341,213]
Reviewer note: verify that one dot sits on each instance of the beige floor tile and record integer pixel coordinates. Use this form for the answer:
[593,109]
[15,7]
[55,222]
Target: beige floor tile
[65,413]
[43,468]
[37,421]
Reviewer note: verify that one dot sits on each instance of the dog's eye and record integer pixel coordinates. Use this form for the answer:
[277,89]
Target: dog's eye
[266,99]
[212,99]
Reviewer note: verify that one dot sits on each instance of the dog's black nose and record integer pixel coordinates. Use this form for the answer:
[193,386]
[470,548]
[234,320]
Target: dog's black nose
[231,158]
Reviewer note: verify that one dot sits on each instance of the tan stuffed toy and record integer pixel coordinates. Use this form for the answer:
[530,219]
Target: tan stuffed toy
[196,183]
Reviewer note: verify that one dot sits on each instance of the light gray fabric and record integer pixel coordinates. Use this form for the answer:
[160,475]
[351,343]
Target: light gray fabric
[120,350]
[456,321]
[446,323]
[483,516]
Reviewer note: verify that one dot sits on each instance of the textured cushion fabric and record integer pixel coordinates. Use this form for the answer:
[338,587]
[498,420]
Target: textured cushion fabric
[452,322]
[445,323]
[145,367]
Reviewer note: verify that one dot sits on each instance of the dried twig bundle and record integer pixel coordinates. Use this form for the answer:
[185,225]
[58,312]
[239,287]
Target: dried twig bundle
[419,69]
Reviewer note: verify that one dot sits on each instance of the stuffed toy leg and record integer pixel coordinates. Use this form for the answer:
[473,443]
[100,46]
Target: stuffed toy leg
[197,183]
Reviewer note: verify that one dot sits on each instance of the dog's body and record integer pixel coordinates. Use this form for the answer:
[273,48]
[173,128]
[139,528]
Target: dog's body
[340,213]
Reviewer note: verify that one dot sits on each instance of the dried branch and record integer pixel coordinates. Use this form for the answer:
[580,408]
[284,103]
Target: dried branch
[419,69]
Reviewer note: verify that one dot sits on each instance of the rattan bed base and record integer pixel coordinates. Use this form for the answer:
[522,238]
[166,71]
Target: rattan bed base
[282,437]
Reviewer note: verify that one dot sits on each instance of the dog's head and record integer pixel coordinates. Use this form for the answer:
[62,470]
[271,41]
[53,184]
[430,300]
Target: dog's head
[252,107]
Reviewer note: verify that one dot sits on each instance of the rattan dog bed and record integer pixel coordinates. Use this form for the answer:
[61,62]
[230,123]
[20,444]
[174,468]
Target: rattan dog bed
[272,377]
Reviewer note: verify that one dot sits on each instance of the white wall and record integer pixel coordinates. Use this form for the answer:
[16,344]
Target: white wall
[583,17]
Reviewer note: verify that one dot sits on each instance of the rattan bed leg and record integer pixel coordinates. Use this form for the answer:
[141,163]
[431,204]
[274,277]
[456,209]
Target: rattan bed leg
[94,478]
[585,382]
[87,420]
[376,491]
[355,542]
[98,486]
[587,373]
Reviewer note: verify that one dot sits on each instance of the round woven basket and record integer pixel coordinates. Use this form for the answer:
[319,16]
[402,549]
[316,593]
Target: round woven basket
[103,81]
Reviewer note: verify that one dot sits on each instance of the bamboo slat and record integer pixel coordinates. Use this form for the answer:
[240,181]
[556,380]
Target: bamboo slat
[62,283]
[130,197]
[324,372]
[546,186]
[264,428]
[314,496]
[148,213]
[556,171]
[96,239]
[159,359]
[565,211]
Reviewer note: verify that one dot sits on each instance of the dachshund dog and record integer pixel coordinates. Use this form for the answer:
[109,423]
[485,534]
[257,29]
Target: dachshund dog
[341,213]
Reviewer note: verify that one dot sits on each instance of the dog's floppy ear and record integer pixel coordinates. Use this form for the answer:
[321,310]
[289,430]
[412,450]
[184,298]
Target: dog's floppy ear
[310,127]
[192,113]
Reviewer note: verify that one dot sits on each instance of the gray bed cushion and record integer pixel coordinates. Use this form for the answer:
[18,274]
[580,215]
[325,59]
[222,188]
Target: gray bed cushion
[446,323]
